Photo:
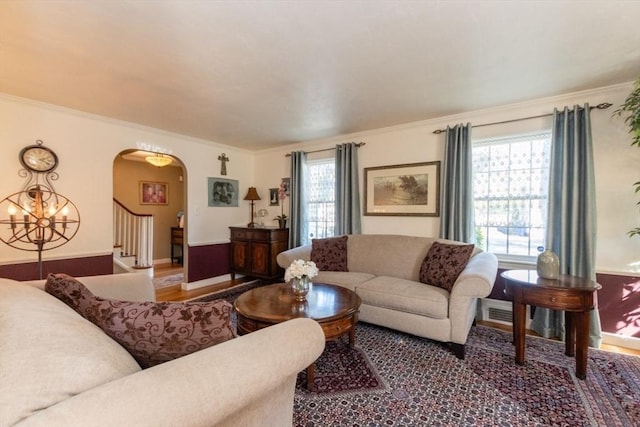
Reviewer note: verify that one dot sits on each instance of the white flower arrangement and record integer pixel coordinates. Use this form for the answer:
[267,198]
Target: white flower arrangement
[300,269]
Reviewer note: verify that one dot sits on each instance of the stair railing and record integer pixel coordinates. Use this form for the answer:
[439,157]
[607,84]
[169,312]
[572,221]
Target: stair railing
[133,234]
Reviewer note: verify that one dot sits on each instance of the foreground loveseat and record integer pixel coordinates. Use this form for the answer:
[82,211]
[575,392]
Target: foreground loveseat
[58,369]
[384,270]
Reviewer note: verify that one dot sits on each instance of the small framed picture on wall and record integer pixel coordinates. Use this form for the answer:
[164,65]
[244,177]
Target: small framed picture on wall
[154,193]
[273,197]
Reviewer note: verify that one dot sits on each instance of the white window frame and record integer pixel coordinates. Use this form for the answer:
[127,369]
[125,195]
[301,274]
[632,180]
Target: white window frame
[511,258]
[329,229]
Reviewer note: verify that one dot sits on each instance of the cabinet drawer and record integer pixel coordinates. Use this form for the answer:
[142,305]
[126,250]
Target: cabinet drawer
[338,327]
[238,234]
[556,300]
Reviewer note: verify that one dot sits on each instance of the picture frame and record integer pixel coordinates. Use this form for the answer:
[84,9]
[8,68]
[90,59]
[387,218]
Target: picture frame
[273,197]
[286,183]
[154,193]
[222,192]
[403,190]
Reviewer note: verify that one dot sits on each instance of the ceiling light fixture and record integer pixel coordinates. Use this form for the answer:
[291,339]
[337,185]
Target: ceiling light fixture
[159,160]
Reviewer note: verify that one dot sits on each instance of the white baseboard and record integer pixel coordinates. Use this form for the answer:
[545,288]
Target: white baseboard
[207,282]
[620,341]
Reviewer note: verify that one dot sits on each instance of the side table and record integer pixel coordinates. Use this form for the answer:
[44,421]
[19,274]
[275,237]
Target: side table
[574,295]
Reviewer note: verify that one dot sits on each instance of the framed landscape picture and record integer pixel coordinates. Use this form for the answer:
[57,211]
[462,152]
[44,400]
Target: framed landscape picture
[222,192]
[403,190]
[154,193]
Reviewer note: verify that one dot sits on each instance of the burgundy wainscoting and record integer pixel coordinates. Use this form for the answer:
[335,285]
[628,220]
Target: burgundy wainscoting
[618,302]
[85,266]
[208,261]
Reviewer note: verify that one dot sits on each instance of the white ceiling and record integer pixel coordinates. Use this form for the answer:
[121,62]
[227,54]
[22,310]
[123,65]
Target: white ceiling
[256,74]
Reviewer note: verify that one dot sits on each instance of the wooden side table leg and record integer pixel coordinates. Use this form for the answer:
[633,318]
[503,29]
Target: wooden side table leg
[582,343]
[569,333]
[519,321]
[311,376]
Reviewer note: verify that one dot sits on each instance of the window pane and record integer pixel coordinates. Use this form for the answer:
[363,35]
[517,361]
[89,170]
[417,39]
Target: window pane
[511,178]
[320,191]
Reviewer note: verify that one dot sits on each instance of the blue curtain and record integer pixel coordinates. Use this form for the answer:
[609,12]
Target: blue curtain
[571,214]
[297,220]
[347,219]
[457,219]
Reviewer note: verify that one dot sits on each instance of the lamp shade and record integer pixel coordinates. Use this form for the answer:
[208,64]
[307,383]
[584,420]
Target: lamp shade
[252,194]
[159,160]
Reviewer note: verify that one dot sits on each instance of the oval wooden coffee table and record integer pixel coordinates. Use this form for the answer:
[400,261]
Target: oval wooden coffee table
[335,308]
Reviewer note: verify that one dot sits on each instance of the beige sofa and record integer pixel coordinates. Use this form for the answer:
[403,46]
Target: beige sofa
[384,271]
[58,369]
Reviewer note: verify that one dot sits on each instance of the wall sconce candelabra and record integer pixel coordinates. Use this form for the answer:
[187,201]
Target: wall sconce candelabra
[38,218]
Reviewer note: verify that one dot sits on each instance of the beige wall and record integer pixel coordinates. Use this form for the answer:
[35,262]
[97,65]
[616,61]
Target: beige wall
[617,166]
[127,175]
[87,146]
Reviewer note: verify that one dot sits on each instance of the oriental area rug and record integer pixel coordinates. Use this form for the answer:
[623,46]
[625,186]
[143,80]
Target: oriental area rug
[396,379]
[411,381]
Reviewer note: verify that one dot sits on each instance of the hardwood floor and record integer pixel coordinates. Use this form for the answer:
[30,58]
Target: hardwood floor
[606,347]
[175,293]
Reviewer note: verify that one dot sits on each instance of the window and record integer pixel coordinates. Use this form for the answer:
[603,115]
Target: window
[320,199]
[510,187]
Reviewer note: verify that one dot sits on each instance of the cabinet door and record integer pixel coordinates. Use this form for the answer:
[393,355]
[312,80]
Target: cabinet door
[260,257]
[240,257]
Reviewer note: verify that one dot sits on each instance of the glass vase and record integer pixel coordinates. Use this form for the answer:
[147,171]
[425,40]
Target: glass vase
[300,288]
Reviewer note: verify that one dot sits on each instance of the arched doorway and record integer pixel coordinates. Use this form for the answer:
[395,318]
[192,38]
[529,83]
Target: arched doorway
[148,191]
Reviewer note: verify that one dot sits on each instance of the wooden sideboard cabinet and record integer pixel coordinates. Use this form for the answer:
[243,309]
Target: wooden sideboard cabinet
[254,251]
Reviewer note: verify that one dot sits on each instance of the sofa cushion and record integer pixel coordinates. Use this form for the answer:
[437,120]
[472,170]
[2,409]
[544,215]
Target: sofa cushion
[388,255]
[152,332]
[347,280]
[330,254]
[405,295]
[50,353]
[444,263]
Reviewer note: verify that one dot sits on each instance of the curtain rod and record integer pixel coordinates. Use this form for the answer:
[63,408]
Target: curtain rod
[359,144]
[602,106]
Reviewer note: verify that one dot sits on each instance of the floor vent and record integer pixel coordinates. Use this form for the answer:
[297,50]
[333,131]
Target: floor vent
[500,315]
[498,311]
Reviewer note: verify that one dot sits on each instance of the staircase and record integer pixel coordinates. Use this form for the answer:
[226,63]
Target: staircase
[132,238]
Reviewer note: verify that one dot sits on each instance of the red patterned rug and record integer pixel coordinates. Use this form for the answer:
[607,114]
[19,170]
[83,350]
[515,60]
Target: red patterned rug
[422,383]
[341,370]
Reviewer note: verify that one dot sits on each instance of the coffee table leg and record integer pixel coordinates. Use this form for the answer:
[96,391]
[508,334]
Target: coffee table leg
[311,376]
[352,337]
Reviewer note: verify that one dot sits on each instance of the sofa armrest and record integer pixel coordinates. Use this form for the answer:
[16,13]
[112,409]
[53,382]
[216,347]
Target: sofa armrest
[475,281]
[244,381]
[478,277]
[125,287]
[285,258]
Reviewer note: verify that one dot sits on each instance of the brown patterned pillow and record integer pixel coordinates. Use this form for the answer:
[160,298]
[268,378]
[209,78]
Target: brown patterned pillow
[152,332]
[444,263]
[330,254]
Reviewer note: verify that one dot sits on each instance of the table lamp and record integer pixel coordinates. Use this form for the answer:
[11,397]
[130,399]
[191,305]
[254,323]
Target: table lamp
[252,195]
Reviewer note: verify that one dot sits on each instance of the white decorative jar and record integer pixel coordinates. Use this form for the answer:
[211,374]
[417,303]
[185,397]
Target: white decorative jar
[548,265]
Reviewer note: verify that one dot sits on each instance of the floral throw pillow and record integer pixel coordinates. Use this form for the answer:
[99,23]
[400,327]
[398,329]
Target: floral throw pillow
[330,254]
[152,332]
[444,263]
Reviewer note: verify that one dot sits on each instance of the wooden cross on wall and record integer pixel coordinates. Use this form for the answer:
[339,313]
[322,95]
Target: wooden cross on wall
[224,159]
